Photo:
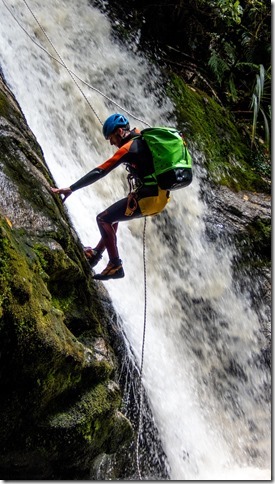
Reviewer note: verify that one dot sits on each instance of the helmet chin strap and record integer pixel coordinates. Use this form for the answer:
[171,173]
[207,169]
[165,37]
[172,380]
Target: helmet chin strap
[120,139]
[125,133]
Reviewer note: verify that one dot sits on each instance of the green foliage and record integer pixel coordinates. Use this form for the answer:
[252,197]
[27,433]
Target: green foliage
[232,89]
[217,45]
[260,161]
[230,12]
[212,128]
[256,104]
[218,66]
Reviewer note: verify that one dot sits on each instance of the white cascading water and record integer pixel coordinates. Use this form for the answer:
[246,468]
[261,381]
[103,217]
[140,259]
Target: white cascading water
[201,433]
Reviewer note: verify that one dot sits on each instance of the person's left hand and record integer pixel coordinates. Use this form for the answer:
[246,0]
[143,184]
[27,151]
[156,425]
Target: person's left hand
[62,191]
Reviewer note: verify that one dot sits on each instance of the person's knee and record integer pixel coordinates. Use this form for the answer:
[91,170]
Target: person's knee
[101,218]
[104,224]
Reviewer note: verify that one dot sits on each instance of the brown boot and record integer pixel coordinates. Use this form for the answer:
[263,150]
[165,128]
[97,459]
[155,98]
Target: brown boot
[112,271]
[92,255]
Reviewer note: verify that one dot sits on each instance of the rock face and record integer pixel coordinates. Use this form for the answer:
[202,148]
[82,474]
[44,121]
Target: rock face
[59,396]
[244,218]
[60,400]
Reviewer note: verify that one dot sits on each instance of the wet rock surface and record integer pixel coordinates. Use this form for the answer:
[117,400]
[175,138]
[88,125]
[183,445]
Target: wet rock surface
[60,398]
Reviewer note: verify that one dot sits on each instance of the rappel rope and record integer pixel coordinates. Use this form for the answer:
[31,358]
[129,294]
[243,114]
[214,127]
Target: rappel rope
[61,61]
[70,72]
[140,387]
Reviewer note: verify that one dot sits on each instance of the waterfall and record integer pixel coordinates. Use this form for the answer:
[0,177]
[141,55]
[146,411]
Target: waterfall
[205,389]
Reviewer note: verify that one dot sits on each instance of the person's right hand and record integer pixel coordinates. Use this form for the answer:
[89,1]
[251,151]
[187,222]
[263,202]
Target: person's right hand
[62,191]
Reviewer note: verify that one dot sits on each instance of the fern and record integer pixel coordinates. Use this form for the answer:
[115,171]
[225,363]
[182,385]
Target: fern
[218,66]
[257,97]
[232,89]
[230,51]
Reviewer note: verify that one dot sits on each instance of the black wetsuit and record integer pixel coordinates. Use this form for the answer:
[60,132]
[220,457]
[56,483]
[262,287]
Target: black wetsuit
[145,200]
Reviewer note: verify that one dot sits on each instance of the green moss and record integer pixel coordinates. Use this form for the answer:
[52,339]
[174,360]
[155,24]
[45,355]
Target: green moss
[6,109]
[64,304]
[100,400]
[255,246]
[92,418]
[29,326]
[4,265]
[32,321]
[212,129]
[16,282]
[68,285]
[47,301]
[55,262]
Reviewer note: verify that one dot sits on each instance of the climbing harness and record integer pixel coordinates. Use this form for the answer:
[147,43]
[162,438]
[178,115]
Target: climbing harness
[140,387]
[134,184]
[132,204]
[72,74]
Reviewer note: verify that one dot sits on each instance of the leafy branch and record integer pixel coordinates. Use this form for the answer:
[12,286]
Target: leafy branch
[256,105]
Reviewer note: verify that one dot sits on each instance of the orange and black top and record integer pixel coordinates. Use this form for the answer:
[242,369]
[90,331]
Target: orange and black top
[134,152]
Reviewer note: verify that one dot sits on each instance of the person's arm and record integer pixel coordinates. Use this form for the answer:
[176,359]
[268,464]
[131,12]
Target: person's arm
[88,179]
[95,174]
[102,170]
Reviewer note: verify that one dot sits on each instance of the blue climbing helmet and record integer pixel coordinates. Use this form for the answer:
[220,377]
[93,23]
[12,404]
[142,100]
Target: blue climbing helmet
[114,121]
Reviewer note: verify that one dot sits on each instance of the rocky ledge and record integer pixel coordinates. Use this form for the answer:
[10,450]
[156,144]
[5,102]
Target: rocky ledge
[60,400]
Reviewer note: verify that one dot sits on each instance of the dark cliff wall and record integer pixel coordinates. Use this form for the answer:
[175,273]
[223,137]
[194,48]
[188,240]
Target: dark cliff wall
[59,397]
[60,401]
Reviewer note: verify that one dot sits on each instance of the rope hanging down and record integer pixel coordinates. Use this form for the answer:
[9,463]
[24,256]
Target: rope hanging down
[140,393]
[70,72]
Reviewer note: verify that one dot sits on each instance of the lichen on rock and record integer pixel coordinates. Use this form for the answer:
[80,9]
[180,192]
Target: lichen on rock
[59,400]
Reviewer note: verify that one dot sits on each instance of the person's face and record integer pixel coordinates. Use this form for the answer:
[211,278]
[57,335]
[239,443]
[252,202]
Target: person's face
[116,137]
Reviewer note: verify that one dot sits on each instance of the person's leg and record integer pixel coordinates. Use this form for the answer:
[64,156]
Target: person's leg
[101,244]
[94,255]
[146,202]
[108,224]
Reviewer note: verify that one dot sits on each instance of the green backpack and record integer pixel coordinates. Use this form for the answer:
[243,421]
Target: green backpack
[172,160]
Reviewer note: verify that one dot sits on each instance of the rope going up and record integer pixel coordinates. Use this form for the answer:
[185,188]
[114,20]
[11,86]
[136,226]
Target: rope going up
[140,387]
[71,73]
[62,61]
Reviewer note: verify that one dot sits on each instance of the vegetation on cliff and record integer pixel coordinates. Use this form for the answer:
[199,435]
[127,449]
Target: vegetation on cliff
[215,61]
[215,58]
[59,398]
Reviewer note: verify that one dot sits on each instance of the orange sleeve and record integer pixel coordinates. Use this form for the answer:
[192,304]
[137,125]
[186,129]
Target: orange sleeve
[119,157]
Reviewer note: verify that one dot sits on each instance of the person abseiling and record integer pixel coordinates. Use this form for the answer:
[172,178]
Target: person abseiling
[145,196]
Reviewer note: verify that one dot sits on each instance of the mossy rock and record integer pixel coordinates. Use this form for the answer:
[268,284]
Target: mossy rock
[40,357]
[209,126]
[255,244]
[83,419]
